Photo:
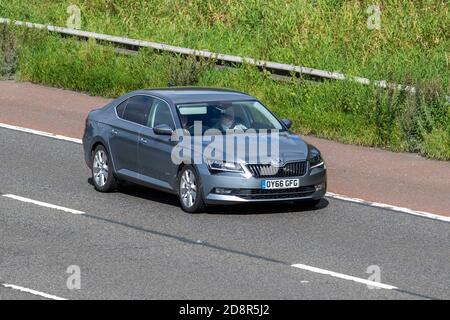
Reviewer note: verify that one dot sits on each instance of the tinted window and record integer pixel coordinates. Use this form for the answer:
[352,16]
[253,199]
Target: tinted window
[137,109]
[121,108]
[161,114]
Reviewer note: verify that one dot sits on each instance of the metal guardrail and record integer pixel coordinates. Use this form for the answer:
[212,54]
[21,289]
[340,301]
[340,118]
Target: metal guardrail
[275,67]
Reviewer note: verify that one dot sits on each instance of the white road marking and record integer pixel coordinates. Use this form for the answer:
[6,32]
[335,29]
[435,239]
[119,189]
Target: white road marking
[42,204]
[344,276]
[328,194]
[40,133]
[389,206]
[31,291]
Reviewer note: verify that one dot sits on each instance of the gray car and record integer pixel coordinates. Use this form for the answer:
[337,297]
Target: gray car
[208,146]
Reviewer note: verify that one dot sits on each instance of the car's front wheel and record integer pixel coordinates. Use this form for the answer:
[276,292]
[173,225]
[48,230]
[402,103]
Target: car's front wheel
[190,191]
[102,175]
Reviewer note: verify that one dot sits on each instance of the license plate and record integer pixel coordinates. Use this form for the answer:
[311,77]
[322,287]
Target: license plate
[280,183]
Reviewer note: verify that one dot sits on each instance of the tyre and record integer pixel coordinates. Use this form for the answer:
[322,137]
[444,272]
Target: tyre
[190,190]
[102,173]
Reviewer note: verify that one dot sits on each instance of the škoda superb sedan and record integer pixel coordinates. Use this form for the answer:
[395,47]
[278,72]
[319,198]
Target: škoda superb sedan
[208,146]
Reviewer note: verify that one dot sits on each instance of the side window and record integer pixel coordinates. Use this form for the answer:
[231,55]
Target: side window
[137,109]
[121,108]
[160,114]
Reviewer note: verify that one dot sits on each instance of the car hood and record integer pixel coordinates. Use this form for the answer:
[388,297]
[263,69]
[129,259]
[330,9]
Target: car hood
[291,148]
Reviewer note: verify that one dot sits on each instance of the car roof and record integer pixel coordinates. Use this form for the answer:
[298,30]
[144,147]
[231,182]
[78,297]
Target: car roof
[196,94]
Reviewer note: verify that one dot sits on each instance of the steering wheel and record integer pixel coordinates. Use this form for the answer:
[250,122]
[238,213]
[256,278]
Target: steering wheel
[191,129]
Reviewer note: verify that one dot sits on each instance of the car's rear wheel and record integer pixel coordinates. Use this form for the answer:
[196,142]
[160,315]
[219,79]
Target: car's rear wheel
[190,191]
[102,174]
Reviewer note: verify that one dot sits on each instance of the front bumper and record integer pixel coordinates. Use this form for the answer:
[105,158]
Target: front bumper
[246,190]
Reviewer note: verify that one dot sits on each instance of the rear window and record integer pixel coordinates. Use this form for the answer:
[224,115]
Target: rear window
[121,108]
[136,110]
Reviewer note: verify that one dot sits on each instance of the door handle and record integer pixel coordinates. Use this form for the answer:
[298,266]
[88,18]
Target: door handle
[114,131]
[143,140]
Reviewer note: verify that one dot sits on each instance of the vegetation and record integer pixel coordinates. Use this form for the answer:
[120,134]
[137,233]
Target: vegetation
[8,53]
[411,47]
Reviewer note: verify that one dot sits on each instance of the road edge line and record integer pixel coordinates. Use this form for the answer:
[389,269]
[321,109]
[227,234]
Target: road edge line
[31,291]
[40,133]
[391,207]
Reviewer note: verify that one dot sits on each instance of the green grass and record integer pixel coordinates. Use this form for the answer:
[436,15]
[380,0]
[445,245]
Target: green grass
[412,43]
[437,145]
[411,47]
[8,53]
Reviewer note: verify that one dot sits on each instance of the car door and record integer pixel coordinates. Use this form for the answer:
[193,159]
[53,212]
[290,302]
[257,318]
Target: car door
[156,166]
[124,135]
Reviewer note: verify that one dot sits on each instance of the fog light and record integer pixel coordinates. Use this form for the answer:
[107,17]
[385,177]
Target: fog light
[320,186]
[223,191]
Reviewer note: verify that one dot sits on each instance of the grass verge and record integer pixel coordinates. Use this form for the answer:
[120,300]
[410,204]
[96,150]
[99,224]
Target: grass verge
[411,42]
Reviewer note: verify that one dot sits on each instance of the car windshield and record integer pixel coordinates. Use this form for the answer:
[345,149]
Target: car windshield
[227,115]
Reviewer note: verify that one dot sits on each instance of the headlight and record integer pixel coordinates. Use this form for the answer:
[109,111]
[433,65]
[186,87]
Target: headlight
[315,158]
[219,165]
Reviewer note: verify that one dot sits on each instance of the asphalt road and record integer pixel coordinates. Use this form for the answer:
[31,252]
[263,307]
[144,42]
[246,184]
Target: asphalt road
[138,243]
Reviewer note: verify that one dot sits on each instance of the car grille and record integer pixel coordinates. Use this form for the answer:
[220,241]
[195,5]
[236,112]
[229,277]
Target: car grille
[257,194]
[291,169]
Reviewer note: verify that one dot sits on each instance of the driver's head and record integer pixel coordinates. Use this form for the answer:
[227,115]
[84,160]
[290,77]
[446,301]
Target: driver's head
[227,118]
[184,121]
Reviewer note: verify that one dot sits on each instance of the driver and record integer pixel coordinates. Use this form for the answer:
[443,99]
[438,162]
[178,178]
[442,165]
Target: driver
[184,124]
[228,121]
[184,121]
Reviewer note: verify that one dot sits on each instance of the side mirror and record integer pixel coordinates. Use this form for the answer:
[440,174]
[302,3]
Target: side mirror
[163,129]
[287,123]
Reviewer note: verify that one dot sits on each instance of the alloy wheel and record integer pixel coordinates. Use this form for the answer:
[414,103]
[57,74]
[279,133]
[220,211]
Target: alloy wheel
[188,188]
[100,168]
